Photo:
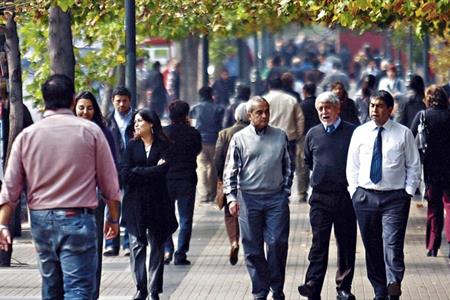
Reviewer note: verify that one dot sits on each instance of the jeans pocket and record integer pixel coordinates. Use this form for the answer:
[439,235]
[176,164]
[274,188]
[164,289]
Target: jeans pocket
[80,233]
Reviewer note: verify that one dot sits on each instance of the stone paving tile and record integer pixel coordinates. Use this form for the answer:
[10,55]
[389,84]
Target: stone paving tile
[212,277]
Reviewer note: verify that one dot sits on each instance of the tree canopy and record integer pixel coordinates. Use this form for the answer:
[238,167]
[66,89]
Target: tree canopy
[99,24]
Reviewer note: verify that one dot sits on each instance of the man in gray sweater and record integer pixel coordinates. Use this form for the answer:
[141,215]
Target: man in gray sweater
[257,181]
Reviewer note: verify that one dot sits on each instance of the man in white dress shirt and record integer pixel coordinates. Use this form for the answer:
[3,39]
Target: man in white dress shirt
[383,171]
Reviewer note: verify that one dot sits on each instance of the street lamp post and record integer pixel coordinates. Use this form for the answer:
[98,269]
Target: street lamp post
[130,43]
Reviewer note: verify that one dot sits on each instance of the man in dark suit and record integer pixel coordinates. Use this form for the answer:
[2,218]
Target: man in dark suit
[120,122]
[326,148]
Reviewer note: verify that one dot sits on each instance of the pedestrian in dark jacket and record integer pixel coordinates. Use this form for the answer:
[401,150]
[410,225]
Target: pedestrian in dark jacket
[186,144]
[413,102]
[86,107]
[147,210]
[242,95]
[436,166]
[225,135]
[348,108]
[208,121]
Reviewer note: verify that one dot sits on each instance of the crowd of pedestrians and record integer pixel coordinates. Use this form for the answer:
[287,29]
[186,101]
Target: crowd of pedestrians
[358,158]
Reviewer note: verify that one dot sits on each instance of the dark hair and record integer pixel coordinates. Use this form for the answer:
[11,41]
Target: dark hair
[121,91]
[58,91]
[98,116]
[276,61]
[156,65]
[436,96]
[339,83]
[243,92]
[178,111]
[384,96]
[417,85]
[368,85]
[206,93]
[275,82]
[287,79]
[309,88]
[151,116]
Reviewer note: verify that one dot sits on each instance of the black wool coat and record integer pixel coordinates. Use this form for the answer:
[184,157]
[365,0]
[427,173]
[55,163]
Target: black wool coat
[146,204]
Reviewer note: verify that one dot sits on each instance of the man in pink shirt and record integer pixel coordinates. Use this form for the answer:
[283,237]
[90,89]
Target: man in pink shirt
[61,159]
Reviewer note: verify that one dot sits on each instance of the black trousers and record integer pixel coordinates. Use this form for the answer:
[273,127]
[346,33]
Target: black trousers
[328,210]
[138,257]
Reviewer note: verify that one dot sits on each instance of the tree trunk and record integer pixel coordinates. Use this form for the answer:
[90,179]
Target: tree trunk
[107,92]
[189,72]
[62,59]
[15,82]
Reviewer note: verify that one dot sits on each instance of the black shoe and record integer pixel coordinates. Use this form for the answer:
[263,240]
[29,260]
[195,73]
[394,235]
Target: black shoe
[432,252]
[394,289]
[234,251]
[154,296]
[111,251]
[343,295]
[181,262]
[140,295]
[306,290]
[393,298]
[380,298]
[167,258]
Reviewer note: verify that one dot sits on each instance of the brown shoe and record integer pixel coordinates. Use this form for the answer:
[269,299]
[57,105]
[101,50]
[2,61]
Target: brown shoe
[234,253]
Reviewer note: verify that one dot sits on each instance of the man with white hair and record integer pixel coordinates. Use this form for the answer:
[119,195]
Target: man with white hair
[257,180]
[326,147]
[223,141]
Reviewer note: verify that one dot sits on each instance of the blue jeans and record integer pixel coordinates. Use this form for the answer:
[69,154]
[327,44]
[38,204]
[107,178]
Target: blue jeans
[67,253]
[186,213]
[264,219]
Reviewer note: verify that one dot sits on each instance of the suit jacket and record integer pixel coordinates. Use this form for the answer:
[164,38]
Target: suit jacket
[118,142]
[223,141]
[146,202]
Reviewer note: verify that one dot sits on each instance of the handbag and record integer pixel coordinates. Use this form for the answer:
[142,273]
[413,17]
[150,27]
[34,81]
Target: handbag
[220,197]
[422,134]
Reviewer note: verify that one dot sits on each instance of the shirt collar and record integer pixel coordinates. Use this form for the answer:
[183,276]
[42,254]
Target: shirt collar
[124,117]
[259,132]
[335,124]
[60,111]
[386,125]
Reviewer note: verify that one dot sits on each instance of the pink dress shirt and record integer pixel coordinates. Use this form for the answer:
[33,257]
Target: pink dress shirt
[62,159]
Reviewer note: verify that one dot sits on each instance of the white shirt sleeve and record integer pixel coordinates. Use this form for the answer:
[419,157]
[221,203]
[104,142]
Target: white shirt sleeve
[353,165]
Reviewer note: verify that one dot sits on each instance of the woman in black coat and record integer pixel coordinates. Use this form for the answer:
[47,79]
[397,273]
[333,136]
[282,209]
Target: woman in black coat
[436,166]
[147,212]
[348,112]
[86,107]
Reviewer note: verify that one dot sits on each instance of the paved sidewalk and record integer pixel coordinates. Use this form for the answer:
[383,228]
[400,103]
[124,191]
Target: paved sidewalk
[211,277]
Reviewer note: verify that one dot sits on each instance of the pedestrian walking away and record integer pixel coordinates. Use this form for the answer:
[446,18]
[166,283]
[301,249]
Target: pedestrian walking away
[186,144]
[436,166]
[62,203]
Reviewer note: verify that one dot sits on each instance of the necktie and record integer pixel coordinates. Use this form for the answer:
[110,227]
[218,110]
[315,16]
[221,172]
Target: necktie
[377,157]
[330,129]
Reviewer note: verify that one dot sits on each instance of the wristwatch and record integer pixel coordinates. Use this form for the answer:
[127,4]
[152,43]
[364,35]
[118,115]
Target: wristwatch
[110,221]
